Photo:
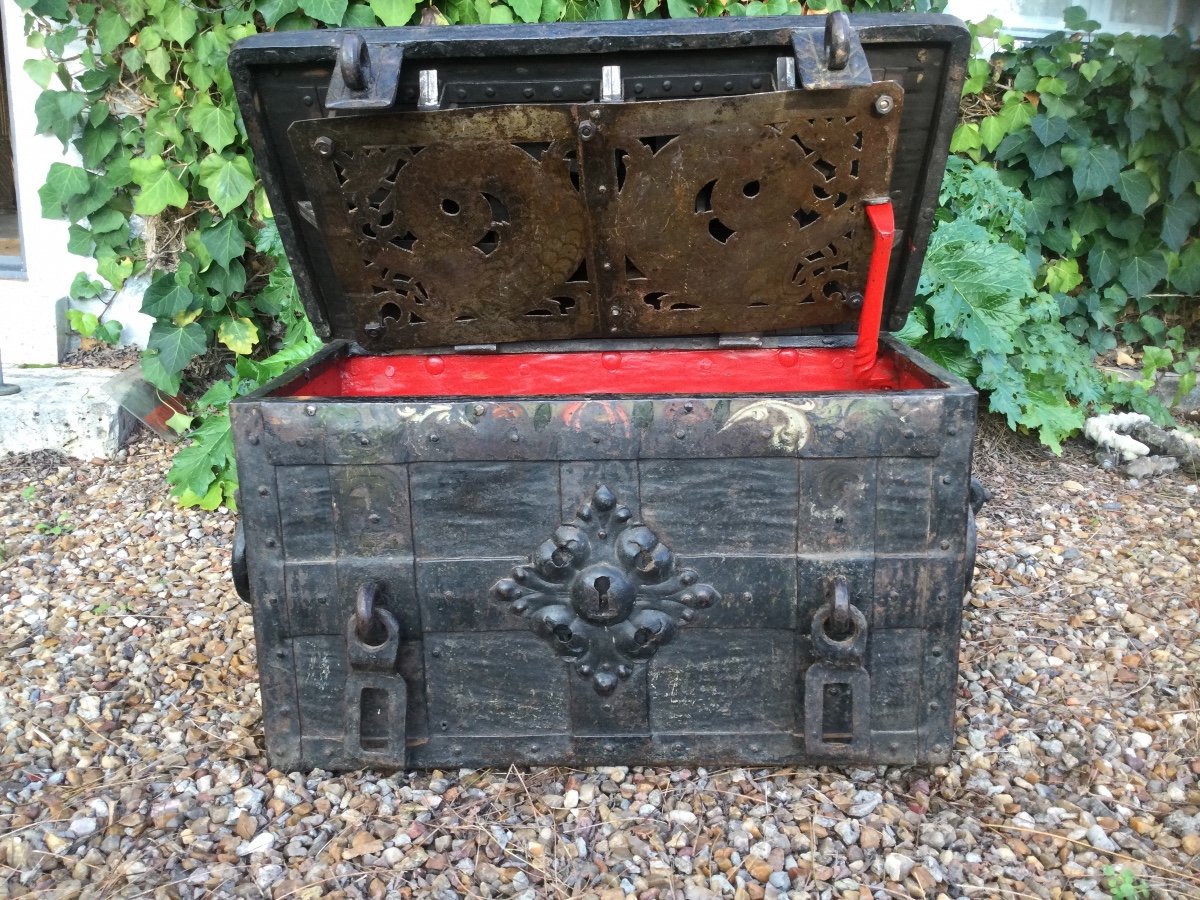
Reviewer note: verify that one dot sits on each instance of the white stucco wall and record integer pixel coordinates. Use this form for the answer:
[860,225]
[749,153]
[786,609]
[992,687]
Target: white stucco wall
[29,330]
[32,327]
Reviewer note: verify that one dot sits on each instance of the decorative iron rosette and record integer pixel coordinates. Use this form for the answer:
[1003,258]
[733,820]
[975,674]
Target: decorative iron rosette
[604,592]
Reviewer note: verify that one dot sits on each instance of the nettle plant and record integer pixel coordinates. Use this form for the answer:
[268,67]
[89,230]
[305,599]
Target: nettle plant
[986,313]
[1102,134]
[165,188]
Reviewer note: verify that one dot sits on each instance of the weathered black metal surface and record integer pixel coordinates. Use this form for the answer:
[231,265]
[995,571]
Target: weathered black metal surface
[827,534]
[467,581]
[523,222]
[284,79]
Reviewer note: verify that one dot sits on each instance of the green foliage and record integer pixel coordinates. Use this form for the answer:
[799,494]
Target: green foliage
[1123,886]
[1100,132]
[89,326]
[983,314]
[140,89]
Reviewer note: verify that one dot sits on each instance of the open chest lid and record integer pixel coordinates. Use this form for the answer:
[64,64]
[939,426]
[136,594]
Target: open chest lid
[479,185]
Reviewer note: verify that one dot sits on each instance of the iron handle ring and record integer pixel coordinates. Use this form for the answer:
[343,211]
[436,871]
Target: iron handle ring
[367,623]
[848,649]
[837,41]
[353,61]
[841,619]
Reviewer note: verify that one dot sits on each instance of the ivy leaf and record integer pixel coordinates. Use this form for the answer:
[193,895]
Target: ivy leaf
[238,334]
[992,132]
[41,71]
[1090,68]
[63,184]
[180,422]
[178,21]
[681,9]
[399,12]
[114,269]
[274,10]
[215,125]
[159,61]
[111,30]
[1076,19]
[84,288]
[1142,274]
[966,139]
[159,186]
[1183,171]
[97,142]
[228,180]
[1135,189]
[527,10]
[1104,262]
[166,297]
[57,112]
[359,15]
[328,11]
[1093,169]
[1049,129]
[1179,215]
[224,242]
[1044,161]
[106,220]
[175,346]
[1187,277]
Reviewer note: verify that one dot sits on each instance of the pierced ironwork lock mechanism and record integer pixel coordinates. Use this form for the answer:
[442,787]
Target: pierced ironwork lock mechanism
[376,694]
[837,689]
[366,75]
[832,60]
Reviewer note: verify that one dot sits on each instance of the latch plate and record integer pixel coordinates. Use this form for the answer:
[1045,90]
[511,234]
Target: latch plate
[366,75]
[832,60]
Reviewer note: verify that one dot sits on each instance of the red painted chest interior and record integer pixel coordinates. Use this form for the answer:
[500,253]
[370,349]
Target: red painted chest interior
[785,370]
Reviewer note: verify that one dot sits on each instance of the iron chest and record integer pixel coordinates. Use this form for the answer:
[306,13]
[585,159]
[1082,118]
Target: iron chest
[606,461]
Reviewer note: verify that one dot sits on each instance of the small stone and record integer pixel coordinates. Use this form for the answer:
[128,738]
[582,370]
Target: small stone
[82,827]
[363,843]
[759,868]
[897,866]
[571,799]
[1141,740]
[869,838]
[1191,844]
[260,843]
[1074,486]
[682,817]
[864,803]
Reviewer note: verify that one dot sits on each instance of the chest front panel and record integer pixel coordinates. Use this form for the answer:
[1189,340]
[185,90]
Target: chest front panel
[604,580]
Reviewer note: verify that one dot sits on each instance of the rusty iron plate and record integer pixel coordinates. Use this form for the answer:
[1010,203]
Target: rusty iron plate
[548,222]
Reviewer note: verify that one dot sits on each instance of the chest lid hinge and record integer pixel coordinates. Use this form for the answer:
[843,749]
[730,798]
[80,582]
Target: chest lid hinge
[833,60]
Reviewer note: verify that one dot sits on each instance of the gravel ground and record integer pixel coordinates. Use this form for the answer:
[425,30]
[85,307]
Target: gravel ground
[131,761]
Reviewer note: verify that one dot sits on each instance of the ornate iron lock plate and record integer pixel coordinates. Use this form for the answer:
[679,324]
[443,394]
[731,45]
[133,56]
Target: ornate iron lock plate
[604,591]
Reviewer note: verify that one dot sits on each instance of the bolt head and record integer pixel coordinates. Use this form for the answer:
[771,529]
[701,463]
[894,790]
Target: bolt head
[324,146]
[884,104]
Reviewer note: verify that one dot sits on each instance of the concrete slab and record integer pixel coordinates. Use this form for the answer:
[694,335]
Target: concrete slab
[68,410]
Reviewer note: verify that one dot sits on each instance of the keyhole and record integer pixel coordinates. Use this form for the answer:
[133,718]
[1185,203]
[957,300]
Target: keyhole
[602,585]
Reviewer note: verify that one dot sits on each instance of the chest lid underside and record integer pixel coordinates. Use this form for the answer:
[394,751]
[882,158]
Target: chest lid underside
[485,185]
